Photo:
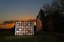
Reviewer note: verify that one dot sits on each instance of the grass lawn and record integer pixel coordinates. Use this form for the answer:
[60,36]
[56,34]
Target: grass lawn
[41,37]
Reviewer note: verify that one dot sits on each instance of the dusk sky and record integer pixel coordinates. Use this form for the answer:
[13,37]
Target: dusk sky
[20,9]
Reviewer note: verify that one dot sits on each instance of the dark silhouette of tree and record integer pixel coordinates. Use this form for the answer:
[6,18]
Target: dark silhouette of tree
[41,16]
[52,16]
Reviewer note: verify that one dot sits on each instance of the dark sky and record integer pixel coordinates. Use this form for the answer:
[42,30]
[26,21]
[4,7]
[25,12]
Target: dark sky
[20,9]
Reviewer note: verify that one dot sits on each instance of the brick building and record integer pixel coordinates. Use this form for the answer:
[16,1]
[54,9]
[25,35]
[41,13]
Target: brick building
[24,28]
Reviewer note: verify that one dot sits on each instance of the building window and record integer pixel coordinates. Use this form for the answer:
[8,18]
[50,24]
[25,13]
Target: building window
[26,28]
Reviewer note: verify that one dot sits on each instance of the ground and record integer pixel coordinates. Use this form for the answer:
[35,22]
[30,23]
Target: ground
[42,37]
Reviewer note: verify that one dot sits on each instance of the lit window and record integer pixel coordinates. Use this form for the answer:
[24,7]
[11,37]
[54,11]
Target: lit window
[17,31]
[20,29]
[26,26]
[26,31]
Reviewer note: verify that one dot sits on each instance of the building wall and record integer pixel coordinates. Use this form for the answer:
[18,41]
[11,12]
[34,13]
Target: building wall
[24,28]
